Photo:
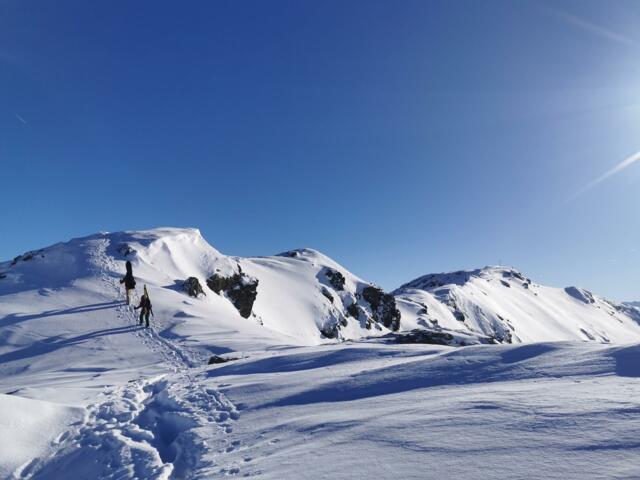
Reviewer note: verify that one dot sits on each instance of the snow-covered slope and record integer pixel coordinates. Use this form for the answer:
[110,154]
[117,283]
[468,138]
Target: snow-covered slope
[62,313]
[544,411]
[30,426]
[68,340]
[87,394]
[502,305]
[301,294]
[304,293]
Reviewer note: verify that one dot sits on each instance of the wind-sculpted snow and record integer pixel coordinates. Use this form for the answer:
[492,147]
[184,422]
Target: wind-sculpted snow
[459,367]
[557,410]
[28,429]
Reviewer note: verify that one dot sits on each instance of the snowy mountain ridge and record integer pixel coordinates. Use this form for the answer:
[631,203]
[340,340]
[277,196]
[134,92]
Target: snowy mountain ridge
[503,304]
[308,297]
[300,293]
[461,277]
[243,368]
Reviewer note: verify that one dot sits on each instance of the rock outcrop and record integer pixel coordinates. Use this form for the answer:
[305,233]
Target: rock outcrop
[193,287]
[335,278]
[241,289]
[383,307]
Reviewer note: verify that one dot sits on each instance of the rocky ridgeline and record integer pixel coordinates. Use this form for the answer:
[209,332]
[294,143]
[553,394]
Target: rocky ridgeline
[494,304]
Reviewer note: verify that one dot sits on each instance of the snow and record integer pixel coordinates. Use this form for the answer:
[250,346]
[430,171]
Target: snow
[93,395]
[540,410]
[28,428]
[502,303]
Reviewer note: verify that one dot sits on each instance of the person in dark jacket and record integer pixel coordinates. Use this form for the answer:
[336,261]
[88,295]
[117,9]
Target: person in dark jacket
[129,281]
[145,306]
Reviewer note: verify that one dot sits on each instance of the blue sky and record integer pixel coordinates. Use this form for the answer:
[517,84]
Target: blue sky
[400,138]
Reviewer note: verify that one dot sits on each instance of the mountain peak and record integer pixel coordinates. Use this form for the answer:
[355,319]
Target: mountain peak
[461,277]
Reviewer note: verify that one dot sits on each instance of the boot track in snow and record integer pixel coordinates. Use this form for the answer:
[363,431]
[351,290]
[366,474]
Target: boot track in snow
[147,428]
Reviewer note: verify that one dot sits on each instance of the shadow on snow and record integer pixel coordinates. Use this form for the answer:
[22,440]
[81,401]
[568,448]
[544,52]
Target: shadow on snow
[55,343]
[15,318]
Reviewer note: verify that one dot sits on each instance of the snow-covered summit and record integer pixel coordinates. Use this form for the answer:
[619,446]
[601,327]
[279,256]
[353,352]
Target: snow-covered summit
[503,305]
[461,277]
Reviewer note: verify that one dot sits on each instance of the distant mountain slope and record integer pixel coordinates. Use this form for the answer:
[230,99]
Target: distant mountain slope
[502,304]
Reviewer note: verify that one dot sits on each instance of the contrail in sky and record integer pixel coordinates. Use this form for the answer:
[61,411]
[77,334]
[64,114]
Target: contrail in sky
[593,28]
[605,33]
[627,162]
[21,119]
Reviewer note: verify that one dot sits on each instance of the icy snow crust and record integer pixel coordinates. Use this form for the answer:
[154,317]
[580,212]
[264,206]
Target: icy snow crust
[88,394]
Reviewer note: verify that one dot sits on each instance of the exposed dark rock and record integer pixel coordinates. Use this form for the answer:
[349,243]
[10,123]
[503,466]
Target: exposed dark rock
[215,359]
[425,336]
[580,294]
[506,284]
[3,275]
[25,257]
[298,252]
[336,279]
[125,249]
[383,307]
[354,311]
[457,313]
[241,289]
[330,331]
[513,274]
[505,337]
[327,294]
[192,286]
[588,335]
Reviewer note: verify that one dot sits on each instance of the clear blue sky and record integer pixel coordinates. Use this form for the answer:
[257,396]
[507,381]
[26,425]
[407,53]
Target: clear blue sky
[399,137]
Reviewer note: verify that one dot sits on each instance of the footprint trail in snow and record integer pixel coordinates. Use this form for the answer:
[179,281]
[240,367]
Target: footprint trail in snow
[148,428]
